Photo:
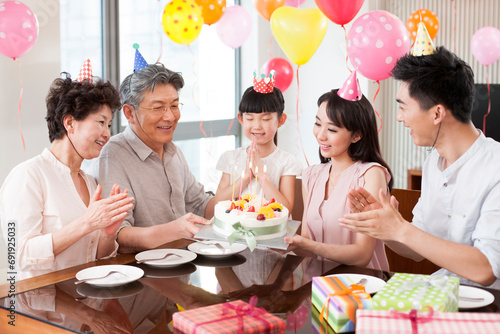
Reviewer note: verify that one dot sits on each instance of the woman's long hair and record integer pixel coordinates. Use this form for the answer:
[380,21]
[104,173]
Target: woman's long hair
[357,117]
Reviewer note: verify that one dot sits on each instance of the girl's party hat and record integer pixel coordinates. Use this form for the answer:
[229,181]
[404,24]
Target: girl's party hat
[264,85]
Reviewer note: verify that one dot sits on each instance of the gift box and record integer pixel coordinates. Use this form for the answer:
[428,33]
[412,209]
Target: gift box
[337,299]
[412,322]
[231,317]
[317,326]
[404,292]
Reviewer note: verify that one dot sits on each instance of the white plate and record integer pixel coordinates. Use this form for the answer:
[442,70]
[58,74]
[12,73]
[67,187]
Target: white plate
[182,256]
[373,284]
[126,274]
[126,290]
[472,292]
[208,248]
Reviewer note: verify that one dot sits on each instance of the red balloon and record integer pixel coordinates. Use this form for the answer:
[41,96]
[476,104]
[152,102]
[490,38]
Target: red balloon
[284,72]
[340,11]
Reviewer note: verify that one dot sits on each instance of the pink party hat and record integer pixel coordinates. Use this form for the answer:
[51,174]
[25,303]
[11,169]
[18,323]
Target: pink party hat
[423,43]
[350,90]
[85,75]
[264,85]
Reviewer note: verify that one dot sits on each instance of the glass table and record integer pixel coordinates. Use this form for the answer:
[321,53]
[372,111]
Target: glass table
[281,282]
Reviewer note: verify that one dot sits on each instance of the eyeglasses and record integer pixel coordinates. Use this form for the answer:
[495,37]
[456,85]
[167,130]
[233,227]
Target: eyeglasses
[163,109]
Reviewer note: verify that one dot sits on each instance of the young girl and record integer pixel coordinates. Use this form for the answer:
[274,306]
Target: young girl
[346,132]
[260,114]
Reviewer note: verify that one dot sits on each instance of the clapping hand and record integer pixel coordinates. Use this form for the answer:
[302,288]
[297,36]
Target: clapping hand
[108,213]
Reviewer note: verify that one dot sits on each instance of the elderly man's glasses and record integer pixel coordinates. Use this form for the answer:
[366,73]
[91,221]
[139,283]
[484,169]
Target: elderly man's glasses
[161,110]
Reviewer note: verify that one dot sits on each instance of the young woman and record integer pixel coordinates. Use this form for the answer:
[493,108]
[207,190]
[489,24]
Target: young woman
[346,132]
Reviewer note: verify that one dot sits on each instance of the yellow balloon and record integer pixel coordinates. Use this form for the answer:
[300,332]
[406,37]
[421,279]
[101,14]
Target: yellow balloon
[182,21]
[299,32]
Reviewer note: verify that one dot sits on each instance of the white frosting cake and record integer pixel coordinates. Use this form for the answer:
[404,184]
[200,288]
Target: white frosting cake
[268,228]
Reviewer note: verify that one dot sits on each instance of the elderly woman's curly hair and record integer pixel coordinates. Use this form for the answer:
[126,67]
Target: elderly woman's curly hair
[78,99]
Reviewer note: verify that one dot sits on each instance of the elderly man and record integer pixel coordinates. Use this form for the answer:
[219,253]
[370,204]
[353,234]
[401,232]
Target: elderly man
[456,222]
[169,200]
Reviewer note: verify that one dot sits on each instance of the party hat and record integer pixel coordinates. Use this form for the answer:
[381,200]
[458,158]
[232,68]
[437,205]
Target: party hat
[139,61]
[266,84]
[350,90]
[85,73]
[423,43]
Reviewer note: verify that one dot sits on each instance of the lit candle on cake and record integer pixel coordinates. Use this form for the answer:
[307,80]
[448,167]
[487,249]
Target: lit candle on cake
[234,181]
[263,184]
[241,183]
[256,174]
[250,168]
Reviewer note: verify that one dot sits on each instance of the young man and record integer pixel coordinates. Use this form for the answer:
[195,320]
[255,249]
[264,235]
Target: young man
[456,222]
[168,199]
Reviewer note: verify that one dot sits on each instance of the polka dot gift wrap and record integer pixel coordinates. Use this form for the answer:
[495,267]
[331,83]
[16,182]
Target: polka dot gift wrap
[405,292]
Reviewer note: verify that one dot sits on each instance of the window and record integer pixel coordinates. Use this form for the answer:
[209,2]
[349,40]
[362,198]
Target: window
[81,36]
[209,68]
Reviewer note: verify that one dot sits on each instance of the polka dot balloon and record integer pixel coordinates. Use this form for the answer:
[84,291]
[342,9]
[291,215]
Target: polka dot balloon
[18,29]
[182,21]
[375,42]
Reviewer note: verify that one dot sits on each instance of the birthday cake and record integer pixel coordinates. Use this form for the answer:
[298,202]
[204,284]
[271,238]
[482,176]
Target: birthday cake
[251,215]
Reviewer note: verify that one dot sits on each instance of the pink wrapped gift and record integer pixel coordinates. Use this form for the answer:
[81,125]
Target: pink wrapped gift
[413,322]
[232,317]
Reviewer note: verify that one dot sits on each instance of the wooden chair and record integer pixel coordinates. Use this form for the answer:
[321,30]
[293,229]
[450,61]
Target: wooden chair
[407,200]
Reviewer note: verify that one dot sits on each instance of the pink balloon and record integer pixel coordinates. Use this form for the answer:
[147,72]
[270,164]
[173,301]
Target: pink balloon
[485,45]
[375,42]
[294,3]
[340,11]
[234,26]
[18,29]
[284,72]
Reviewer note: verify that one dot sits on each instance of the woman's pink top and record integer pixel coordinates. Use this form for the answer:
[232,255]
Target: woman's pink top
[322,216]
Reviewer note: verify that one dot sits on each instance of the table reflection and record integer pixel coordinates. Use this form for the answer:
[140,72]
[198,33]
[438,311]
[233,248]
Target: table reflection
[281,282]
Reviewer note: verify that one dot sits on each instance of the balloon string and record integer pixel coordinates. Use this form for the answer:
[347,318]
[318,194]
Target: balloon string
[269,47]
[195,83]
[347,55]
[454,27]
[489,101]
[298,127]
[158,7]
[376,112]
[20,101]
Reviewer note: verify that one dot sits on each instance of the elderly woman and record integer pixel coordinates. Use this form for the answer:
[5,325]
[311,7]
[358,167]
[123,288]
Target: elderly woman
[54,209]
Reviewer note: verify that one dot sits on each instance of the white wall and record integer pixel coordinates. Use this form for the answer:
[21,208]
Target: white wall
[39,66]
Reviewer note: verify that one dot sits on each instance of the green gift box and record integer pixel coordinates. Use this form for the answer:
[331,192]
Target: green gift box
[405,292]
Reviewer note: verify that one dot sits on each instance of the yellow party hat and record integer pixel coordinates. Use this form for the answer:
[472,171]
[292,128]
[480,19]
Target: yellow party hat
[423,43]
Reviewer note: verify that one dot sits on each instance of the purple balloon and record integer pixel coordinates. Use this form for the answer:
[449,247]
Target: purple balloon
[485,45]
[234,26]
[18,29]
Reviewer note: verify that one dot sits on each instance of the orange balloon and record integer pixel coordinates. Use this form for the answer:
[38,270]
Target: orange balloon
[211,10]
[428,17]
[267,7]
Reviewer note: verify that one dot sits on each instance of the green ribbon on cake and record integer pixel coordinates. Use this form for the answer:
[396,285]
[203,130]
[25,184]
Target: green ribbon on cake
[240,231]
[248,232]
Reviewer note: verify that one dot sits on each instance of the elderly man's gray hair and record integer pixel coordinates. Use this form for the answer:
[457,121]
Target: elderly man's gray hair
[136,84]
